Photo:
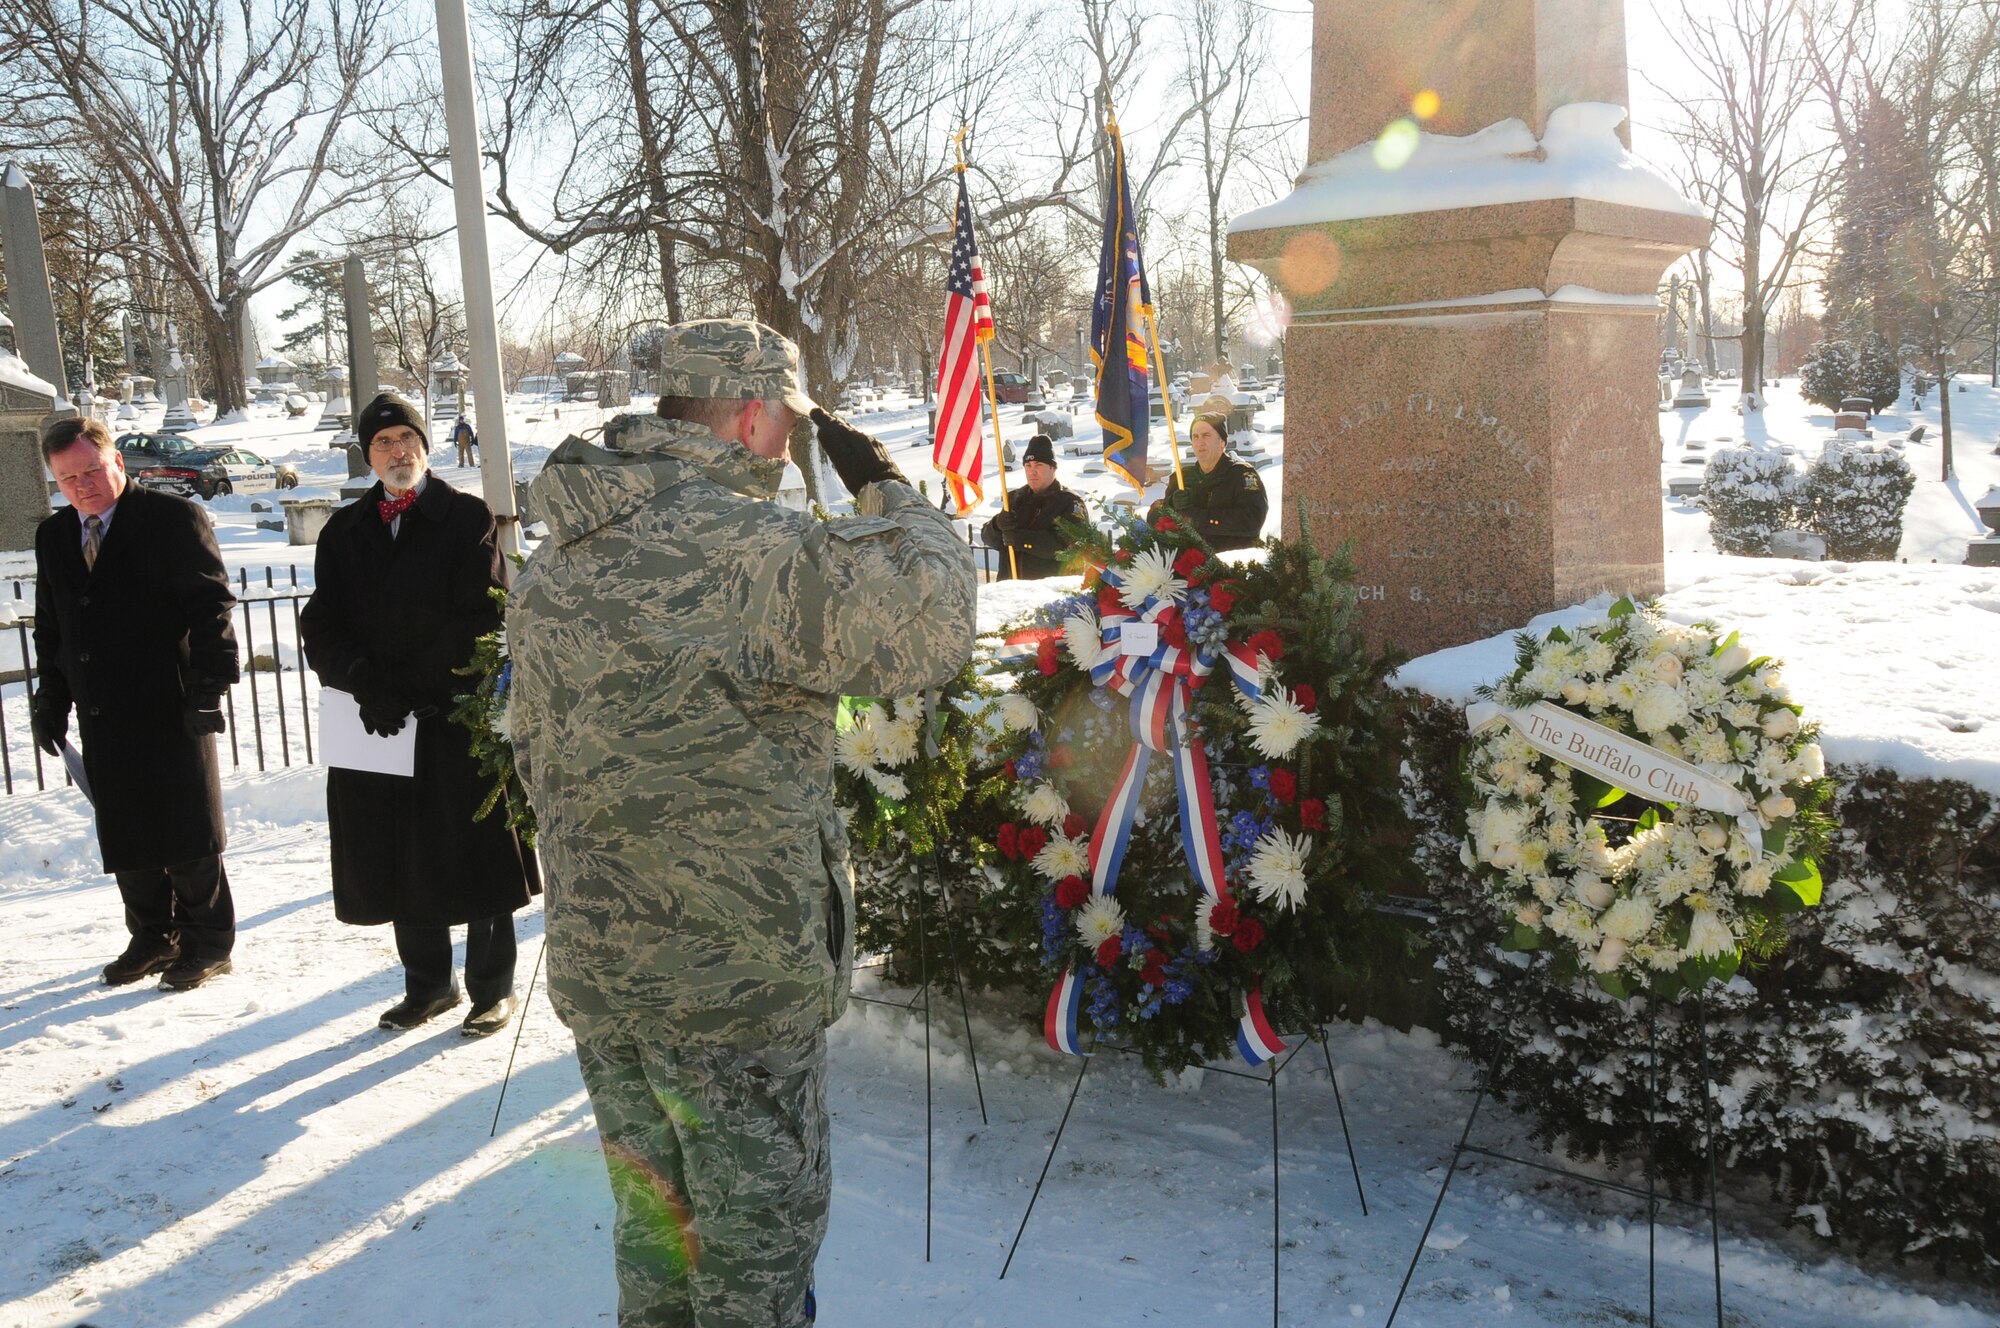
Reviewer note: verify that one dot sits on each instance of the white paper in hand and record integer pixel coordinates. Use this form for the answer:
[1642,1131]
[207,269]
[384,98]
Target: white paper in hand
[343,742]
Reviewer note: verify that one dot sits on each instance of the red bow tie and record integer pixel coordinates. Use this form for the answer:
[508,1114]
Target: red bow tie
[391,508]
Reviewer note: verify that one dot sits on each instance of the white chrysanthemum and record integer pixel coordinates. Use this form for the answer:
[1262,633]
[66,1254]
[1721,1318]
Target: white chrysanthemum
[896,740]
[1658,708]
[1709,936]
[1150,575]
[1204,930]
[1063,856]
[857,748]
[1086,645]
[1099,920]
[1755,879]
[1277,869]
[1016,712]
[503,723]
[1278,725]
[1044,804]
[1628,919]
[888,785]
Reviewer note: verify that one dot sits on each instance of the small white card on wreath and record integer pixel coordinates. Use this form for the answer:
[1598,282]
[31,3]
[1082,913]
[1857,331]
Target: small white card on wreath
[1138,638]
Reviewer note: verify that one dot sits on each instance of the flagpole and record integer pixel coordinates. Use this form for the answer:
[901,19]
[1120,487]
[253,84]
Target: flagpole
[1166,401]
[992,402]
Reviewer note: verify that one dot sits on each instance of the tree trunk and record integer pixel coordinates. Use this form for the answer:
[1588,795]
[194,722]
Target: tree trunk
[649,160]
[1944,416]
[1751,384]
[222,334]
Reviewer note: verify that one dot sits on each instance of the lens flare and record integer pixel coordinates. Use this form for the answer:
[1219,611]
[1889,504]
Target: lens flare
[1424,105]
[652,1214]
[1269,316]
[1396,144]
[1310,263]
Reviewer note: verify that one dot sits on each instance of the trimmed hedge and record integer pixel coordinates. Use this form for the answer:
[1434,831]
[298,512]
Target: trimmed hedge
[1856,1075]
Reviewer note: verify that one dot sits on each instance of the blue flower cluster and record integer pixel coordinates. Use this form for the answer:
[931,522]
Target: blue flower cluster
[1207,630]
[1054,925]
[1056,612]
[1100,998]
[1240,835]
[1028,765]
[506,677]
[1103,698]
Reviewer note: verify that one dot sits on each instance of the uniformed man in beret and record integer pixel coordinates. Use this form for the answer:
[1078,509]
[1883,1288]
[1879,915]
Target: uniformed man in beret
[680,644]
[1221,497]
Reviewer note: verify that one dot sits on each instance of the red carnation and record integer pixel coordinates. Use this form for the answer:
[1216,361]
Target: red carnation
[1307,698]
[1174,632]
[1222,920]
[1165,523]
[1033,839]
[1061,758]
[1221,598]
[1312,814]
[1073,825]
[1189,560]
[1071,891]
[1109,949]
[1010,771]
[1108,601]
[1266,643]
[1152,974]
[1249,935]
[1045,657]
[1284,785]
[1008,840]
[1122,556]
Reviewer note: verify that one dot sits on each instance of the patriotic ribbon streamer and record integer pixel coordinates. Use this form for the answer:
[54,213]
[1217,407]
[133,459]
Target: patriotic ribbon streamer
[1160,684]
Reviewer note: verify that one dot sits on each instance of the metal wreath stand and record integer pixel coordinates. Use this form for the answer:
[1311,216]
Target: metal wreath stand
[1650,1194]
[1277,1067]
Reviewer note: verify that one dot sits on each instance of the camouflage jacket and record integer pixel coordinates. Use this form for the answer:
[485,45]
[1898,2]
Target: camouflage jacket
[679,645]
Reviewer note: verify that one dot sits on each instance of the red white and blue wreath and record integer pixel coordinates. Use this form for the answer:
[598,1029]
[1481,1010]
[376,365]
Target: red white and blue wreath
[1161,797]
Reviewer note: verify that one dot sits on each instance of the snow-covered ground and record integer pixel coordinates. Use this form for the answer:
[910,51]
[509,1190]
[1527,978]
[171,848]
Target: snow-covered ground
[257,1152]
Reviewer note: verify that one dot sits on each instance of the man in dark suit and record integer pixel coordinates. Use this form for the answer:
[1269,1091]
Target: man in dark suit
[132,632]
[403,581]
[1028,523]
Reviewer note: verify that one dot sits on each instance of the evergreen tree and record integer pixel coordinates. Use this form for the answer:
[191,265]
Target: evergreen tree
[1879,375]
[1830,372]
[323,329]
[1870,284]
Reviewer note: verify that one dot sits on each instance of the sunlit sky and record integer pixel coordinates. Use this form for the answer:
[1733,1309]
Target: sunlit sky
[1654,60]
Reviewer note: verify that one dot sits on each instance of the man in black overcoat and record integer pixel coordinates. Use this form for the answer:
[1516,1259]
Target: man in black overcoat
[132,633]
[1028,523]
[402,577]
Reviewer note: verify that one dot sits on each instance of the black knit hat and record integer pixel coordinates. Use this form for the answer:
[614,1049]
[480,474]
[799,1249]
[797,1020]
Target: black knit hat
[384,411]
[1040,448]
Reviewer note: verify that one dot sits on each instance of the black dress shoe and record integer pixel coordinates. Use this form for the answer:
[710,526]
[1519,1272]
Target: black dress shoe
[411,1011]
[187,974]
[137,962]
[488,1019]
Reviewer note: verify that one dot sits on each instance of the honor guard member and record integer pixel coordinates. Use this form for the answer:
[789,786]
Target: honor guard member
[1224,501]
[1027,524]
[132,631]
[680,644]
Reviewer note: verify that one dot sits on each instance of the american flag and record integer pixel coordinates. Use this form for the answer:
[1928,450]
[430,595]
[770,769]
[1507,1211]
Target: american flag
[959,450]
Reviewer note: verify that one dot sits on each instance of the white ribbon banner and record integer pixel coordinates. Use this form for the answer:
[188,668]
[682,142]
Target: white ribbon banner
[1620,760]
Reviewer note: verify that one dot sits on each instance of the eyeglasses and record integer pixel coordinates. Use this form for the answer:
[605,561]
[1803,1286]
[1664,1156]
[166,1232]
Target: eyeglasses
[395,444]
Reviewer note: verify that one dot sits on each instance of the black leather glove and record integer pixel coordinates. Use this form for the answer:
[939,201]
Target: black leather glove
[858,458]
[1003,523]
[382,717]
[49,722]
[201,715]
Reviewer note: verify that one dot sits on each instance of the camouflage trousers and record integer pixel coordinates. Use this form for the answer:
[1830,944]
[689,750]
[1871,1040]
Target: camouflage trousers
[720,1169]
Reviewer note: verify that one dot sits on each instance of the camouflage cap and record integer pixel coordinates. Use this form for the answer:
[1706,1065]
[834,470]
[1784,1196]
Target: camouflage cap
[732,359]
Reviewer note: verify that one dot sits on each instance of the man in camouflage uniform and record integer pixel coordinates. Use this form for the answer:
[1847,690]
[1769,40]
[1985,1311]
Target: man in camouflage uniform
[680,643]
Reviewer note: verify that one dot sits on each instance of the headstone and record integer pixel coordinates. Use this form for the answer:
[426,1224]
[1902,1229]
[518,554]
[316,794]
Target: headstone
[333,382]
[305,518]
[447,391]
[1692,391]
[7,331]
[1473,381]
[1852,421]
[25,405]
[360,334]
[174,384]
[1985,552]
[28,300]
[1801,544]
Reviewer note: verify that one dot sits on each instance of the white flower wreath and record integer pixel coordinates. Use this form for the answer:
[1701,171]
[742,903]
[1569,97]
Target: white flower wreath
[1676,893]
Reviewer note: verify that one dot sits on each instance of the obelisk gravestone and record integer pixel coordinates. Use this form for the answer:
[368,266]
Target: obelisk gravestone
[1470,258]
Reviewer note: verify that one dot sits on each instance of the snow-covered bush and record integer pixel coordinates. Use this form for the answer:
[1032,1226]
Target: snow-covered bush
[1855,495]
[1749,493]
[1879,374]
[1830,373]
[1855,1078]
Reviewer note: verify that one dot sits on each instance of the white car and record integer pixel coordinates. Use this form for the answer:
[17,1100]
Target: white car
[238,471]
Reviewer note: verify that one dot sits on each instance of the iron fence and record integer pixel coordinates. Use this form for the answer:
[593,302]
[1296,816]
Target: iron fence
[269,715]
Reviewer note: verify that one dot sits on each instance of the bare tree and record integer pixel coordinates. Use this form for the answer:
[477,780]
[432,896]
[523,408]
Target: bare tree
[1743,112]
[226,122]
